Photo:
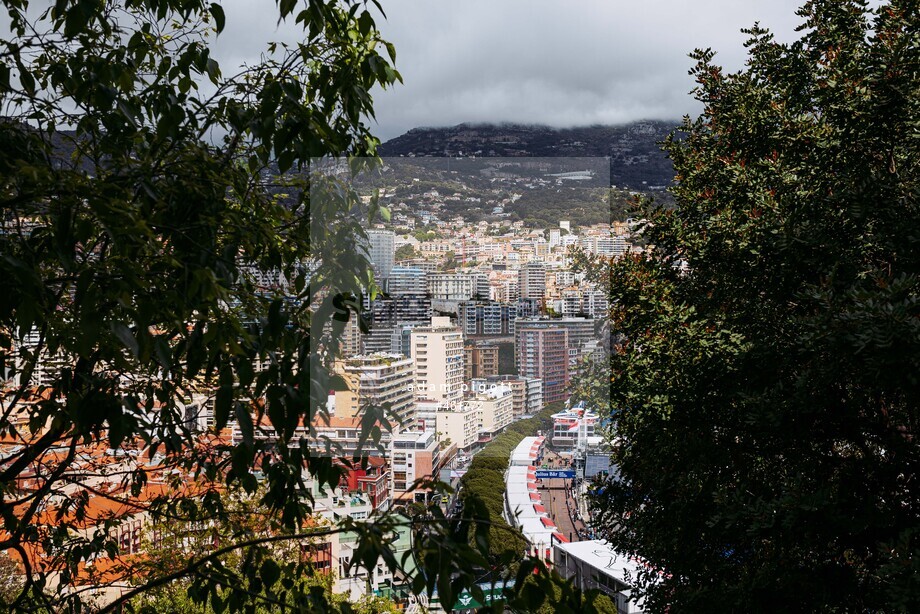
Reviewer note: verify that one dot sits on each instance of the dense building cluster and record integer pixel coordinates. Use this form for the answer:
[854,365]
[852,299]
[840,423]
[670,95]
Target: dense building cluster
[475,327]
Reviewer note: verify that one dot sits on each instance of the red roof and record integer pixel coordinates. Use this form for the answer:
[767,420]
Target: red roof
[548,523]
[539,509]
[535,496]
[562,538]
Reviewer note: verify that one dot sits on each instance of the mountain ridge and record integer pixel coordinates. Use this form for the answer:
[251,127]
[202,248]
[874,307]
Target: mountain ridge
[636,159]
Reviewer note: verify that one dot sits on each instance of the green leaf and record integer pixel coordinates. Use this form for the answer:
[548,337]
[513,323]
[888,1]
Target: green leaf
[126,337]
[220,20]
[245,422]
[286,7]
[26,79]
[270,572]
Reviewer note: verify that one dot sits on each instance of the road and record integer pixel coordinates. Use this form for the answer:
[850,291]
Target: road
[556,498]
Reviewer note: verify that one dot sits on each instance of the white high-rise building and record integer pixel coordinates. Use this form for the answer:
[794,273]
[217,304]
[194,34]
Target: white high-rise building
[571,303]
[458,286]
[381,252]
[439,362]
[527,392]
[601,245]
[532,280]
[459,425]
[564,278]
[594,303]
[495,407]
[407,280]
[568,240]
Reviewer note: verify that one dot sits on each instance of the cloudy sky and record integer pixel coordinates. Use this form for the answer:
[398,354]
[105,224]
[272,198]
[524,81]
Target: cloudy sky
[557,62]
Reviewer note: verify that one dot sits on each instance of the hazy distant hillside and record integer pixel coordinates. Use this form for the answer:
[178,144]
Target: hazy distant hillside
[636,161]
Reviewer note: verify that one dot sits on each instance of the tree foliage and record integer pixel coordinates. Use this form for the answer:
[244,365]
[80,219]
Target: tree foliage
[767,387]
[143,190]
[405,252]
[271,576]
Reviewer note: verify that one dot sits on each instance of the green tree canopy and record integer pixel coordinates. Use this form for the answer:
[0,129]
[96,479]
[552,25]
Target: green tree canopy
[405,252]
[767,385]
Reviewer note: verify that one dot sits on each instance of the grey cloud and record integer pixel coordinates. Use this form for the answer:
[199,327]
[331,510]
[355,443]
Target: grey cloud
[558,62]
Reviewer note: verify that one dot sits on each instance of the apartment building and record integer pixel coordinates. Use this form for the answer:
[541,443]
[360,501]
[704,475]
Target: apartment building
[542,352]
[352,342]
[486,318]
[532,280]
[340,438]
[394,339]
[505,290]
[594,303]
[459,425]
[381,251]
[455,287]
[398,309]
[380,381]
[371,478]
[570,302]
[481,360]
[528,308]
[407,280]
[439,361]
[414,455]
[527,392]
[495,410]
[580,330]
